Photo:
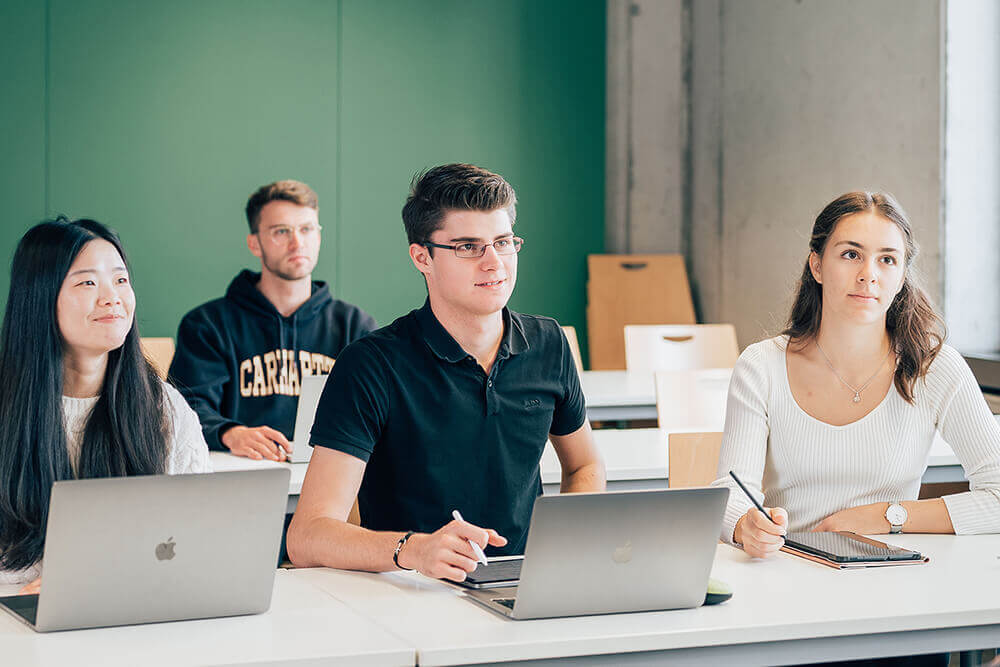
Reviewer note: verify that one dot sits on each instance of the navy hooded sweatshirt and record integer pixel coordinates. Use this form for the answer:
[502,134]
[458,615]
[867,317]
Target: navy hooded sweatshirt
[239,362]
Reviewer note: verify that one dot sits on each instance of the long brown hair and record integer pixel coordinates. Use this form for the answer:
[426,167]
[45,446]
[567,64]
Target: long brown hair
[916,331]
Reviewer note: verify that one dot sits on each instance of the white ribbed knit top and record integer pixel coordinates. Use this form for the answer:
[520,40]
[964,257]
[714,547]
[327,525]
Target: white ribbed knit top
[188,452]
[813,469]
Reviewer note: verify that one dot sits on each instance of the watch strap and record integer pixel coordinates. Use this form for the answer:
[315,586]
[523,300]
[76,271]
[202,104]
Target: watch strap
[895,528]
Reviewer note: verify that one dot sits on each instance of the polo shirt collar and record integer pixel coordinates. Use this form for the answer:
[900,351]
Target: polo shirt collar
[437,337]
[447,348]
[514,339]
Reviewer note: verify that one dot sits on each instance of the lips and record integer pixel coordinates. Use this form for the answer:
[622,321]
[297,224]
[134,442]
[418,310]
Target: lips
[868,298]
[492,283]
[106,319]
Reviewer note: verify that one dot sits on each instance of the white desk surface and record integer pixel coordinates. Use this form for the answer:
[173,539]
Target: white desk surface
[630,395]
[224,462]
[617,388]
[641,453]
[785,609]
[629,454]
[304,626]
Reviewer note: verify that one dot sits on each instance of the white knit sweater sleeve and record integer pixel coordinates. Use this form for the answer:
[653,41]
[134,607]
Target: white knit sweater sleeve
[744,442]
[186,448]
[965,423]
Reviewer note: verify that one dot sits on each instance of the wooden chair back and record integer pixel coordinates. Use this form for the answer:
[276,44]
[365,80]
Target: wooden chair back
[678,347]
[692,459]
[692,400]
[160,352]
[574,347]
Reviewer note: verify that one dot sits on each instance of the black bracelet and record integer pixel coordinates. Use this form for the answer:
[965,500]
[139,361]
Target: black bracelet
[399,547]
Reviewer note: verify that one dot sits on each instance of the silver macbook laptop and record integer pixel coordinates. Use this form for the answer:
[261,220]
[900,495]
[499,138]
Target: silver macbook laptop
[603,553]
[129,550]
[309,392]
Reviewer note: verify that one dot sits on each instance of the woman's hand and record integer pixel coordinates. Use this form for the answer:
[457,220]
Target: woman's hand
[34,588]
[760,536]
[863,520]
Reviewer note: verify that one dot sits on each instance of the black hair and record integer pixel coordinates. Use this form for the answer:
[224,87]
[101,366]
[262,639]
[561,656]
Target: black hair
[126,433]
[453,187]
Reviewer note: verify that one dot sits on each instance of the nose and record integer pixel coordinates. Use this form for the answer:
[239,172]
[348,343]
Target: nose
[490,258]
[295,240]
[867,273]
[109,296]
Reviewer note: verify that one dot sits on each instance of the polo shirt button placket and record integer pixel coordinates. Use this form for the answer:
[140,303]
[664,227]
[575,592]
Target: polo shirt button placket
[491,399]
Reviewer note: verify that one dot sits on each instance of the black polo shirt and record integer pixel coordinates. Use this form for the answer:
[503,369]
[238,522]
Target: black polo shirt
[438,434]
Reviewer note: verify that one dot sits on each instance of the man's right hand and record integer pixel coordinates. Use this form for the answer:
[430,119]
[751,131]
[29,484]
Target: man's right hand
[445,553]
[257,442]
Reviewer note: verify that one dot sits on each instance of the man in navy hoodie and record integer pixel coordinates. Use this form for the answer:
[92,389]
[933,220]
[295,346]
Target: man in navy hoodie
[240,359]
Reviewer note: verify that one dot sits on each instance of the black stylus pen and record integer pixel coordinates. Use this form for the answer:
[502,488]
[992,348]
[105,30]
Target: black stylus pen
[752,499]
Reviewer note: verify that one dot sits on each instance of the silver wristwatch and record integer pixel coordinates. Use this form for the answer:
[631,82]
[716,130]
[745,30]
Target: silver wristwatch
[896,516]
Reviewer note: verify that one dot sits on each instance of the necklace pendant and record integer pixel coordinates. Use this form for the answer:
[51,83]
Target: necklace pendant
[857,397]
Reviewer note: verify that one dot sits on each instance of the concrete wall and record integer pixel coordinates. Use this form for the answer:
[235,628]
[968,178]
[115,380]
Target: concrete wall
[792,103]
[647,111]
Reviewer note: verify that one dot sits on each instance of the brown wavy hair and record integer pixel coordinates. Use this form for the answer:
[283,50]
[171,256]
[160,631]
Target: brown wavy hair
[915,329]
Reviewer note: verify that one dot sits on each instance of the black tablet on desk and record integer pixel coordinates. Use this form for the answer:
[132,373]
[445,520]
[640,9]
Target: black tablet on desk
[500,573]
[846,549]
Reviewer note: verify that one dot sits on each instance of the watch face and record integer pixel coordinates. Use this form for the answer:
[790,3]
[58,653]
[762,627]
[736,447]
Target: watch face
[896,515]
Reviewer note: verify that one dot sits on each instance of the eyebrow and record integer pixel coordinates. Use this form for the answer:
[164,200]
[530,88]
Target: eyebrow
[858,245]
[73,273]
[466,239]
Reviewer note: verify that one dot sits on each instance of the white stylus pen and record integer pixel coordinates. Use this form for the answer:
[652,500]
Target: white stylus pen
[478,550]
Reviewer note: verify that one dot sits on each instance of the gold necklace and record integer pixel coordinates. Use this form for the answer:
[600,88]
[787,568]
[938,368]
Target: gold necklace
[857,391]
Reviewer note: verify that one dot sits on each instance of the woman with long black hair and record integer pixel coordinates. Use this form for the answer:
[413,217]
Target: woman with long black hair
[77,397]
[831,423]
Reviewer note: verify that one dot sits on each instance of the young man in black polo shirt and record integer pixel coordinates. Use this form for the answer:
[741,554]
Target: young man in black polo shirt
[448,407]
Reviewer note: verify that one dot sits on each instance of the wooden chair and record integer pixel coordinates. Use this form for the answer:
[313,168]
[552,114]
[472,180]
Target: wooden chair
[574,347]
[678,347]
[160,352]
[355,515]
[692,400]
[692,459]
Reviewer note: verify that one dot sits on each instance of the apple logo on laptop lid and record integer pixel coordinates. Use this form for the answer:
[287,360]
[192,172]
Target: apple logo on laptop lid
[623,554]
[165,550]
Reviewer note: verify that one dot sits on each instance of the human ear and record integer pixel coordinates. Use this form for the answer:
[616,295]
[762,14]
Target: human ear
[421,257]
[815,266]
[253,244]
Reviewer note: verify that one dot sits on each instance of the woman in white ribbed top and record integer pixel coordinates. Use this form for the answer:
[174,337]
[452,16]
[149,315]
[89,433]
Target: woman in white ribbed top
[78,398]
[831,423]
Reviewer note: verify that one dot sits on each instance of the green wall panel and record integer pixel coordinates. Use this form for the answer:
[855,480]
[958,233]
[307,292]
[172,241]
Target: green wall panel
[516,87]
[166,116]
[22,125]
[161,118]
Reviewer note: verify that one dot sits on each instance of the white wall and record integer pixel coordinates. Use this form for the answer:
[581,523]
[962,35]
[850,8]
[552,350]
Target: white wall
[972,176]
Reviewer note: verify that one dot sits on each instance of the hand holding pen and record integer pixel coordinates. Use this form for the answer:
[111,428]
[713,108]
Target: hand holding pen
[761,531]
[448,552]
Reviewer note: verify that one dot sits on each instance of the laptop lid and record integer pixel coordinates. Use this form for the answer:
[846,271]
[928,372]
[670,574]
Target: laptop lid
[145,549]
[309,392]
[601,553]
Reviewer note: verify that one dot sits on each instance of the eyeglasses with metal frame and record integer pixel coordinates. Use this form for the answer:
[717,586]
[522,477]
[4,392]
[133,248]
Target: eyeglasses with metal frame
[508,245]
